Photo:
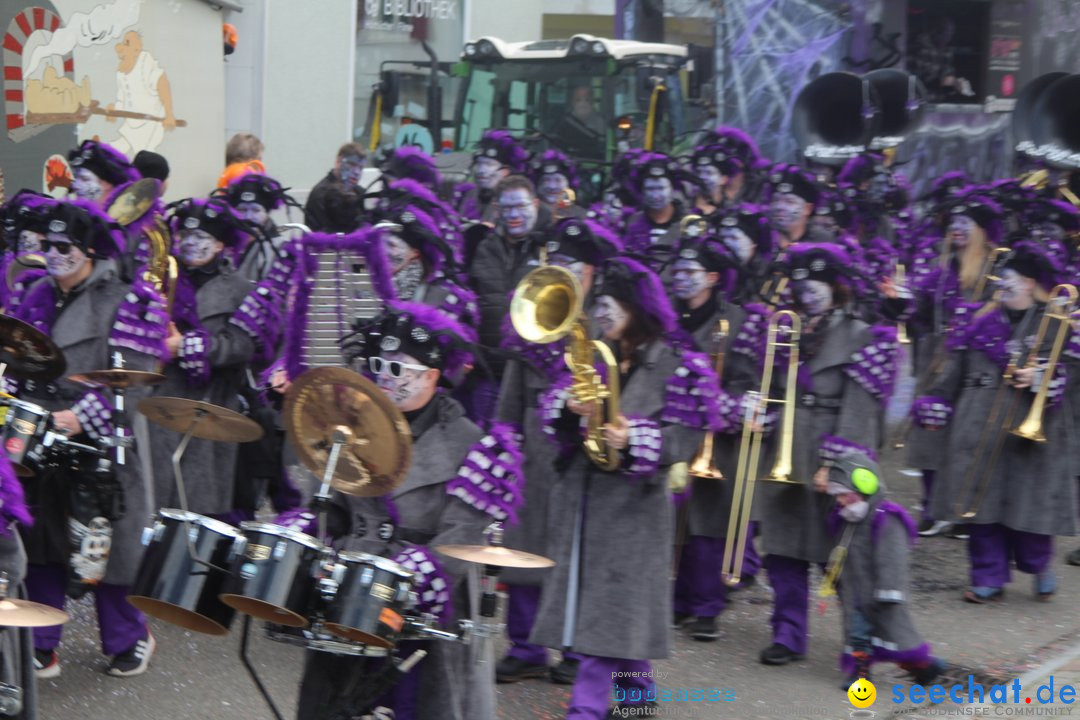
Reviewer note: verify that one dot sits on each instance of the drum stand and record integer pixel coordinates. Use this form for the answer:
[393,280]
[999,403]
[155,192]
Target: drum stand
[177,456]
[119,439]
[251,669]
[320,502]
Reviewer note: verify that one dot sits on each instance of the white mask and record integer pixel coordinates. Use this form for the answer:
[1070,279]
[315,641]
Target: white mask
[611,317]
[399,252]
[61,266]
[855,512]
[198,248]
[253,212]
[29,242]
[86,185]
[689,279]
[486,173]
[814,296]
[786,210]
[960,228]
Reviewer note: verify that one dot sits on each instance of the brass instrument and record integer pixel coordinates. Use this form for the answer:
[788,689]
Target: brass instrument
[161,269]
[702,465]
[773,290]
[988,271]
[693,226]
[20,264]
[901,327]
[977,478]
[746,473]
[547,305]
[836,563]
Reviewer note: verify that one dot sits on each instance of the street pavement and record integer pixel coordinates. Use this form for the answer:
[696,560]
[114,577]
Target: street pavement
[195,676]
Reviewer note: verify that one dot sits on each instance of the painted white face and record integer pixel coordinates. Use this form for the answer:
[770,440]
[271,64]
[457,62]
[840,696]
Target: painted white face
[786,210]
[1013,286]
[399,252]
[611,316]
[487,173]
[814,296]
[738,243]
[87,186]
[517,212]
[198,247]
[253,212]
[656,193]
[413,386]
[960,229]
[552,188]
[689,279]
[711,177]
[63,259]
[29,242]
[351,170]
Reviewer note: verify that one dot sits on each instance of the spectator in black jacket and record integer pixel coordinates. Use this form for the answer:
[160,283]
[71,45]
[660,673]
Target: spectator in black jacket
[343,180]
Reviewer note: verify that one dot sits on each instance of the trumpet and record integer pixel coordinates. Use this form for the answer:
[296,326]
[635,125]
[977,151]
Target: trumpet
[547,305]
[750,445]
[977,478]
[693,226]
[702,465]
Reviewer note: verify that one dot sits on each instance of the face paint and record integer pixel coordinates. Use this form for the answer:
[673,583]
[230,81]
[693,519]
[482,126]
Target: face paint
[254,212]
[486,173]
[1015,288]
[689,279]
[552,188]
[577,267]
[786,210]
[855,512]
[825,223]
[711,177]
[351,171]
[656,193]
[814,296]
[29,242]
[611,317]
[198,247]
[399,252]
[738,243]
[1049,231]
[413,389]
[960,228]
[517,212]
[61,266]
[86,185]
[613,208]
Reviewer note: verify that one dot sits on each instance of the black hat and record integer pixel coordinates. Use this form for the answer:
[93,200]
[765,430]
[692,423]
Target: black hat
[151,165]
[837,205]
[827,262]
[256,188]
[213,216]
[104,161]
[584,241]
[794,180]
[750,220]
[86,226]
[707,250]
[1035,260]
[432,337]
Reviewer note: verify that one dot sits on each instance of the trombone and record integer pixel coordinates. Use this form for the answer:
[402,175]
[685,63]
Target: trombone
[750,445]
[547,305]
[1060,307]
[702,465]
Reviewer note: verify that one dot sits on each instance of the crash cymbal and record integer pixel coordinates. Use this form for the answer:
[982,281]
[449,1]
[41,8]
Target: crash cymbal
[117,379]
[214,422]
[23,613]
[495,555]
[29,353]
[378,442]
[135,201]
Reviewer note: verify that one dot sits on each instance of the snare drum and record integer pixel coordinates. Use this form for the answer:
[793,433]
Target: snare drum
[24,432]
[276,577]
[372,593]
[181,590]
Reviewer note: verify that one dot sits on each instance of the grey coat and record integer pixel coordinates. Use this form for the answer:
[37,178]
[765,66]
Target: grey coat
[625,524]
[208,467]
[793,516]
[452,685]
[81,330]
[1032,487]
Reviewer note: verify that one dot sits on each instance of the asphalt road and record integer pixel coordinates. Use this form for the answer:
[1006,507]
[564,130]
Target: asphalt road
[195,676]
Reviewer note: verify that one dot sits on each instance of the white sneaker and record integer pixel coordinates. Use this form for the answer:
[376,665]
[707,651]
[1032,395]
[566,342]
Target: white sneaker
[939,527]
[134,661]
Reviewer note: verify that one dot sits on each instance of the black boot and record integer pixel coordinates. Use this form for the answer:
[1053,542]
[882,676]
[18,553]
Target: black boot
[511,669]
[777,654]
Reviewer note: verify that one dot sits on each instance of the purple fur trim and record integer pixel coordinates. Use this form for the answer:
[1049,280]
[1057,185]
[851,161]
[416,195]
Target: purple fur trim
[887,509]
[411,162]
[833,448]
[259,315]
[300,519]
[988,335]
[510,153]
[643,446]
[551,406]
[547,358]
[874,366]
[392,510]
[491,477]
[460,302]
[366,242]
[1058,383]
[38,307]
[692,395]
[94,412]
[637,236]
[566,166]
[918,655]
[12,500]
[185,309]
[750,340]
[1072,346]
[931,411]
[194,357]
[467,201]
[432,585]
[648,292]
[15,297]
[141,323]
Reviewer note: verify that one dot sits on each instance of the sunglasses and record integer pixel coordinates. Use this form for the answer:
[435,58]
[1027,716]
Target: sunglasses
[394,368]
[62,248]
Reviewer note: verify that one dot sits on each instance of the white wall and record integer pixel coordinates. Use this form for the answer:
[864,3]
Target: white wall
[512,21]
[307,86]
[243,70]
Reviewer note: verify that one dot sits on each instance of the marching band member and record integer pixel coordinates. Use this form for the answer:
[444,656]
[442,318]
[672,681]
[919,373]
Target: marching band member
[745,232]
[607,596]
[744,161]
[714,168]
[656,225]
[25,218]
[702,271]
[253,197]
[580,246]
[1030,491]
[460,481]
[556,178]
[498,156]
[98,170]
[411,162]
[93,316]
[846,374]
[791,195]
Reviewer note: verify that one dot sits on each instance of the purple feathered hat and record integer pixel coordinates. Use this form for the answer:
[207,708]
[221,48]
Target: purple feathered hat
[717,156]
[752,220]
[792,179]
[429,335]
[26,210]
[407,191]
[1043,261]
[1055,212]
[827,262]
[707,250]
[551,162]
[946,187]
[986,213]
[88,228]
[256,188]
[502,146]
[583,240]
[861,168]
[738,144]
[420,231]
[655,165]
[838,206]
[411,162]
[105,161]
[633,284]
[212,215]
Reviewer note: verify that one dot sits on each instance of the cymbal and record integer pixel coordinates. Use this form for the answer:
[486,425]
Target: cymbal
[495,555]
[377,450]
[214,422]
[117,379]
[29,353]
[24,613]
[135,201]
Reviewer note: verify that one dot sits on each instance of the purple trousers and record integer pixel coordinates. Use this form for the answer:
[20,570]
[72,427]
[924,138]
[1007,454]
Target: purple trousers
[699,588]
[791,601]
[992,547]
[522,604]
[120,625]
[603,682]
